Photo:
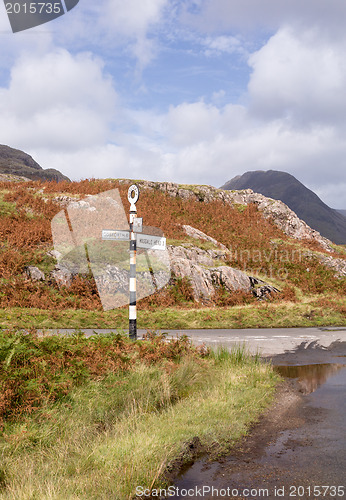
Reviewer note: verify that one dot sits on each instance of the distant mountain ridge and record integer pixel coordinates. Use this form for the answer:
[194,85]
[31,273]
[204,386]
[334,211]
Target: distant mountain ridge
[16,162]
[304,202]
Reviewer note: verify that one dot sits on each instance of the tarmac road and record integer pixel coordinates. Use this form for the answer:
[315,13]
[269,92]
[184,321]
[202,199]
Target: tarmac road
[264,341]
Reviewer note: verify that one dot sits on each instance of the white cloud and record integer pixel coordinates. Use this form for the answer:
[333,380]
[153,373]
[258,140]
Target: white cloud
[60,101]
[254,15]
[218,97]
[209,143]
[117,25]
[85,162]
[193,123]
[132,18]
[216,46]
[102,161]
[37,41]
[299,76]
[200,143]
[107,26]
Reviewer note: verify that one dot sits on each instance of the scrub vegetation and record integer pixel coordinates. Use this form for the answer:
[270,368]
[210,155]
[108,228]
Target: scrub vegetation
[95,418]
[310,293]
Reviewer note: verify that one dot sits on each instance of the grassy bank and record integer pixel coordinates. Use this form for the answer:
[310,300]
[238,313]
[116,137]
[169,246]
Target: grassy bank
[313,311]
[120,422]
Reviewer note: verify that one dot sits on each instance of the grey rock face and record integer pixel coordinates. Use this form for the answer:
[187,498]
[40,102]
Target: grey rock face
[54,253]
[34,273]
[62,276]
[230,279]
[199,267]
[199,235]
[263,290]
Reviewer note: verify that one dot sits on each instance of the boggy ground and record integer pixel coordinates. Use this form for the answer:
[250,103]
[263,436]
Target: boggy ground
[297,449]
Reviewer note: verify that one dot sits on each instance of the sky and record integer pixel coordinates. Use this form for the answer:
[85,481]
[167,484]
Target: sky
[188,91]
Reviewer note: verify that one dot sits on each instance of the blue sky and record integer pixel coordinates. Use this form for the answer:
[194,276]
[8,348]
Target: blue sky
[193,91]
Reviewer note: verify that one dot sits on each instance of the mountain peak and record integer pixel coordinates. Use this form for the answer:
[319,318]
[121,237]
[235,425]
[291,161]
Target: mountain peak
[16,162]
[304,202]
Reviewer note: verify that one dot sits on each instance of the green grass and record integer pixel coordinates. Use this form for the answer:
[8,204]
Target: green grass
[190,242]
[341,249]
[305,313]
[122,431]
[6,208]
[44,262]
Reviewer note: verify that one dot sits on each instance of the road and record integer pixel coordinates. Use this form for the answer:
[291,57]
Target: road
[264,341]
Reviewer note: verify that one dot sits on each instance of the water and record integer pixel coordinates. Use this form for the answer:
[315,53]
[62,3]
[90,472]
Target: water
[310,377]
[292,456]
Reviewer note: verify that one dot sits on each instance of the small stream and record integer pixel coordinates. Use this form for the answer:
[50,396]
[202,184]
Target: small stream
[299,455]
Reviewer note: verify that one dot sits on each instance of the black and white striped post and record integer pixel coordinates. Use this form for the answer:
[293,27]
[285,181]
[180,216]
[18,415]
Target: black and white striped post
[132,196]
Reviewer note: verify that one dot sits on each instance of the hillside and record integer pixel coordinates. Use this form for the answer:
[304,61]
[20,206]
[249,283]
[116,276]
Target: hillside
[342,212]
[227,250]
[239,260]
[16,162]
[304,202]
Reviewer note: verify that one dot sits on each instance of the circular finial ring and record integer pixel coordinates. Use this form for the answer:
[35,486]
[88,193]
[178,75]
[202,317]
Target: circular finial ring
[133,194]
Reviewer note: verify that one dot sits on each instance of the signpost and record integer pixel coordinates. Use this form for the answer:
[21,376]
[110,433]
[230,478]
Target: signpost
[132,196]
[142,241]
[152,242]
[109,234]
[136,239]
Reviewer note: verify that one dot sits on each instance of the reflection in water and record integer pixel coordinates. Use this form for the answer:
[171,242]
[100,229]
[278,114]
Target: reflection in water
[307,447]
[310,377]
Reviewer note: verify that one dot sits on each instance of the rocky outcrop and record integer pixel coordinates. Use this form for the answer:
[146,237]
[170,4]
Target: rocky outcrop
[304,202]
[34,273]
[64,200]
[337,265]
[199,267]
[289,222]
[12,178]
[205,270]
[62,276]
[199,235]
[274,210]
[261,289]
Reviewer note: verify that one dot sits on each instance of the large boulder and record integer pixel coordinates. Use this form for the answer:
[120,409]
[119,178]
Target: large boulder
[199,267]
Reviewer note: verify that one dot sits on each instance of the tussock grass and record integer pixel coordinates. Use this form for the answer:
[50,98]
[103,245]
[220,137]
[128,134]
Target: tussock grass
[120,432]
[316,310]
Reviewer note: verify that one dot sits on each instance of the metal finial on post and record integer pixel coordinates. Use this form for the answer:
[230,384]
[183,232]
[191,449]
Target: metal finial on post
[133,195]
